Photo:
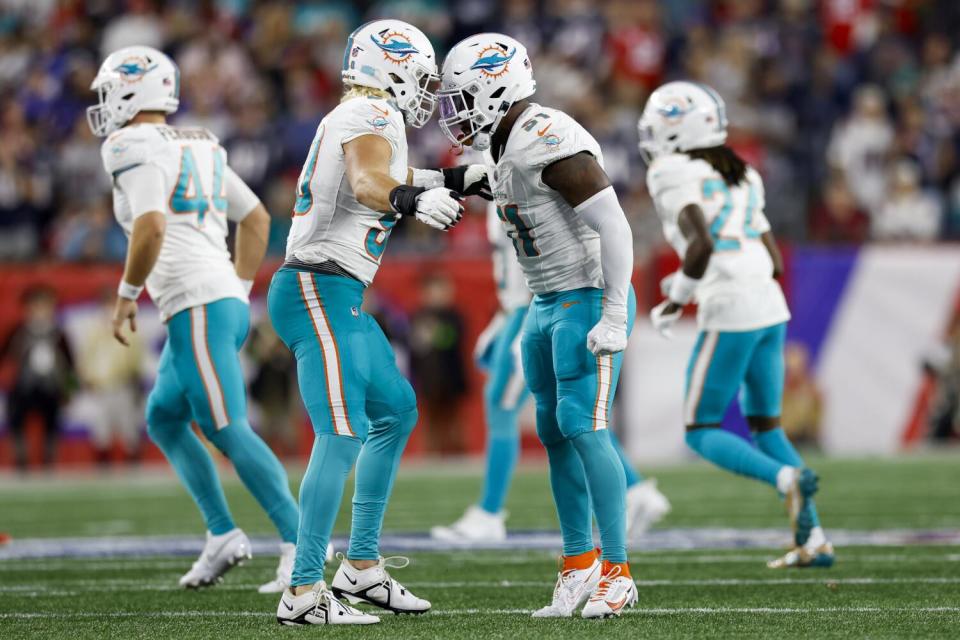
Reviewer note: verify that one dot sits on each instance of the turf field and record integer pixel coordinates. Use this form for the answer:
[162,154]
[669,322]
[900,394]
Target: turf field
[890,585]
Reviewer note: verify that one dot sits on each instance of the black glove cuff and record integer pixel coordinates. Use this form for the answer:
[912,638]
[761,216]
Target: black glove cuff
[403,199]
[453,177]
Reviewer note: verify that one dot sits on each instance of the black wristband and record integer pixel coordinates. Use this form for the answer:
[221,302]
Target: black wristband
[403,199]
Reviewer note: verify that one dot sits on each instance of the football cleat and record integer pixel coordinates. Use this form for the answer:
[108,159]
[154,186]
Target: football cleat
[375,586]
[318,606]
[573,588]
[821,557]
[475,524]
[288,554]
[804,486]
[220,554]
[646,506]
[613,594]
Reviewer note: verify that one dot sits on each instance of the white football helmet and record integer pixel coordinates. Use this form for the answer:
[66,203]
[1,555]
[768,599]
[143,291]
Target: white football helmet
[482,77]
[131,80]
[680,116]
[398,58]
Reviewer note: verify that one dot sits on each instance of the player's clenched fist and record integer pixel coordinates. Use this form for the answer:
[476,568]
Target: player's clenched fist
[608,336]
[439,208]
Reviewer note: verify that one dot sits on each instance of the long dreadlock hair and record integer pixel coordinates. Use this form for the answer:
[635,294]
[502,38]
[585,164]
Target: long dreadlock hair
[724,160]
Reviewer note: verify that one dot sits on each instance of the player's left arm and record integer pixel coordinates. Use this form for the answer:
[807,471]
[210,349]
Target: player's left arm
[679,287]
[253,227]
[585,186]
[144,188]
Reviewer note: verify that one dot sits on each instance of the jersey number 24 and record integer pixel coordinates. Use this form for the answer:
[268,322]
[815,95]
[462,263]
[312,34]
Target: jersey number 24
[726,242]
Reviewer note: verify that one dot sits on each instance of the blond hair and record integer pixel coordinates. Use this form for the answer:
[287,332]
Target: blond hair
[352,91]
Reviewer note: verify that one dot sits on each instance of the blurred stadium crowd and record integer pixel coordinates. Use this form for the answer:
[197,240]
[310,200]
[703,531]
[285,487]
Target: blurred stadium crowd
[849,108]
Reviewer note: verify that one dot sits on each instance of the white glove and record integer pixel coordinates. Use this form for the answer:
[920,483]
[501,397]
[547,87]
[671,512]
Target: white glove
[665,284]
[608,336]
[664,322]
[438,208]
[474,182]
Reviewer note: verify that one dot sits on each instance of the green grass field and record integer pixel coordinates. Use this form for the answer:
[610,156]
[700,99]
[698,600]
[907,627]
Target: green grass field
[874,591]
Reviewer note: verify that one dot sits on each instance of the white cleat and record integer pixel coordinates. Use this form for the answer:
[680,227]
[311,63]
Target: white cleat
[220,554]
[816,557]
[474,525]
[318,606]
[288,554]
[646,506]
[614,594]
[573,588]
[375,586]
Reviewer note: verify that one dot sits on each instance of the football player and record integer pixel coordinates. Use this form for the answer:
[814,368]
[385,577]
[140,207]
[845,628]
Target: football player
[173,194]
[498,354]
[354,187]
[711,204]
[575,247]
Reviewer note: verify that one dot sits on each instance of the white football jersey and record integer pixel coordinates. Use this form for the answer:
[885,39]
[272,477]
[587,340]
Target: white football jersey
[328,222]
[556,249]
[737,292]
[194,266]
[512,291]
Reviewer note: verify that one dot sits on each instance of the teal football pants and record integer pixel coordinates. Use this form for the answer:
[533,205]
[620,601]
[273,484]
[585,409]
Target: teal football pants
[574,393]
[361,407]
[199,379]
[722,364]
[504,395]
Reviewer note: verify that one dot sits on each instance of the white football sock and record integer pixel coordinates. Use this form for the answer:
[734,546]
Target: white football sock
[817,538]
[785,478]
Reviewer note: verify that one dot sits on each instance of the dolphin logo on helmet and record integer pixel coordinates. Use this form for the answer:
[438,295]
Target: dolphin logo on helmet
[671,111]
[493,64]
[136,68]
[395,46]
